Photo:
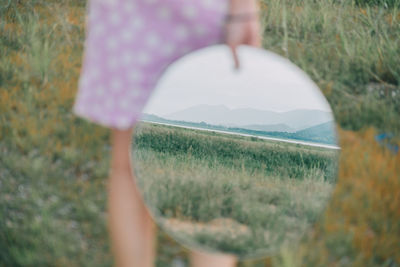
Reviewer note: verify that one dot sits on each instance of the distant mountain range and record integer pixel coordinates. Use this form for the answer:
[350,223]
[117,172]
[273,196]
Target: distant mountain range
[321,133]
[254,119]
[268,128]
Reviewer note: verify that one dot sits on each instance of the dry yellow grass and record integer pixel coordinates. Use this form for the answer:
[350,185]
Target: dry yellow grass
[364,210]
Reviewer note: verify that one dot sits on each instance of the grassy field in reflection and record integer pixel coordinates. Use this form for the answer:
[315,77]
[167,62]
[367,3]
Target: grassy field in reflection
[237,194]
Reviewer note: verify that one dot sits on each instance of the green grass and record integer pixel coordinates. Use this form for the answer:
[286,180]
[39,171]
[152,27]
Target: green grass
[54,166]
[48,213]
[351,52]
[273,190]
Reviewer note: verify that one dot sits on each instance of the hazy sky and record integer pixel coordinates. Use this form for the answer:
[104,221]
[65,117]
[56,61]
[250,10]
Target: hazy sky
[265,81]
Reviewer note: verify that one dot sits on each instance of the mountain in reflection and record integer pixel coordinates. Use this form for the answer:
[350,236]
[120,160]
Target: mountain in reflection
[305,125]
[289,121]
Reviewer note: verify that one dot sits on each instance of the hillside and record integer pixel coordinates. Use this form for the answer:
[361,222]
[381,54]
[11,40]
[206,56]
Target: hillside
[298,119]
[323,133]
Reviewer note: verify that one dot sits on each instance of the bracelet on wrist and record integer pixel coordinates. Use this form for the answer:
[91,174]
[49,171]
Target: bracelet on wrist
[241,17]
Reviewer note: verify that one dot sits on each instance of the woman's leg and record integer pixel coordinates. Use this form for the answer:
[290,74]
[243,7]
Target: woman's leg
[200,259]
[131,227]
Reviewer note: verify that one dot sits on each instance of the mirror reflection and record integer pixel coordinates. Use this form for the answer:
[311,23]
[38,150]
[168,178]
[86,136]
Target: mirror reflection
[236,161]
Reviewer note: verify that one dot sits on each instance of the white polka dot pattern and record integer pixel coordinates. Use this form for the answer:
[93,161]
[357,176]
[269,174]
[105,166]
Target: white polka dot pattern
[128,45]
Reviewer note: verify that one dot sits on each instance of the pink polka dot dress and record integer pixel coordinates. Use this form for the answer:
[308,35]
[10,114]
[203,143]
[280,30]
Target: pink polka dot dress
[128,46]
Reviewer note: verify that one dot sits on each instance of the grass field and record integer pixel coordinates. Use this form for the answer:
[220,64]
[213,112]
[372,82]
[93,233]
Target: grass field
[54,166]
[237,194]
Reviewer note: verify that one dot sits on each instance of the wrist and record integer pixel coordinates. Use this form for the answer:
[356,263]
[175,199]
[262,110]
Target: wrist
[238,7]
[242,17]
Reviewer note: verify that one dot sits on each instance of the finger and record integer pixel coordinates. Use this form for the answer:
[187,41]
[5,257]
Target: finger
[235,56]
[254,38]
[257,38]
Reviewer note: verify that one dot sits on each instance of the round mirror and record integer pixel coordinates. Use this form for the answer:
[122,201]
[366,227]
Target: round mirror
[236,161]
